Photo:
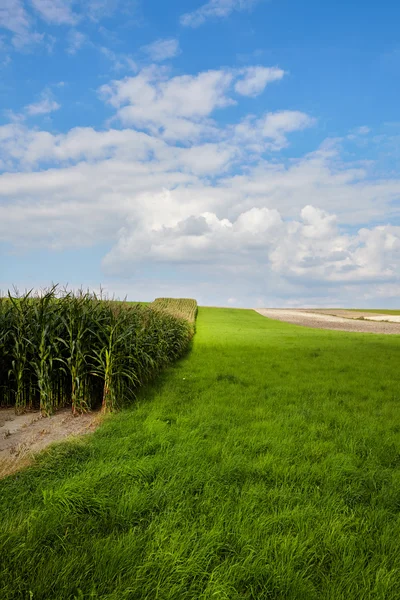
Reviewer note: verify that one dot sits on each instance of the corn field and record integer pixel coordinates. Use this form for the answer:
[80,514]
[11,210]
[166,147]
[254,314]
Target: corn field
[81,350]
[183,308]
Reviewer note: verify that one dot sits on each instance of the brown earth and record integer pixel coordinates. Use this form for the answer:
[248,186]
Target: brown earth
[339,320]
[22,436]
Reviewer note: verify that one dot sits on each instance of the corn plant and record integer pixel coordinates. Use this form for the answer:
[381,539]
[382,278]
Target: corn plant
[45,336]
[19,337]
[77,317]
[184,308]
[59,348]
[114,355]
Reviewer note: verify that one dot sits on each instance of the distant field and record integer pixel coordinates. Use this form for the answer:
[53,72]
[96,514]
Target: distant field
[382,311]
[263,465]
[379,311]
[337,319]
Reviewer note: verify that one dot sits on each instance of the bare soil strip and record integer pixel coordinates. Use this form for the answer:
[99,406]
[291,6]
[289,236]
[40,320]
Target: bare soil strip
[22,436]
[325,319]
[356,314]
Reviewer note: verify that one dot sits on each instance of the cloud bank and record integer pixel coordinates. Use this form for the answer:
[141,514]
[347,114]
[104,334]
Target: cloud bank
[167,185]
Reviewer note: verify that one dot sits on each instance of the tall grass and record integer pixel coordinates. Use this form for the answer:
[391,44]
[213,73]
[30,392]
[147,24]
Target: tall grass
[265,465]
[81,350]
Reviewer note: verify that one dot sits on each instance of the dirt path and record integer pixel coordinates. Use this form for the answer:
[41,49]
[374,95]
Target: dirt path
[22,436]
[321,319]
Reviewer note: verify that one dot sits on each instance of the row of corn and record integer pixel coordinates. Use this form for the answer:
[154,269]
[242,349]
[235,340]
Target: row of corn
[80,350]
[183,308]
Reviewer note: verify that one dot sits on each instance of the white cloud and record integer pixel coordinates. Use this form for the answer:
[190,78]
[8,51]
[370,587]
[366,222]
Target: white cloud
[270,131]
[24,148]
[15,135]
[217,201]
[15,19]
[28,148]
[76,40]
[312,248]
[203,159]
[56,11]
[276,125]
[45,105]
[162,49]
[255,79]
[215,9]
[23,23]
[181,107]
[175,107]
[114,191]
[155,205]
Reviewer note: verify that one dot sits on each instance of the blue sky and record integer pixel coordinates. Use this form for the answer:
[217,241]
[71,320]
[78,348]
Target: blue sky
[243,152]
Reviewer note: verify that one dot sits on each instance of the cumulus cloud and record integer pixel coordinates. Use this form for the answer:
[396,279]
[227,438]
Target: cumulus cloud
[137,162]
[270,131]
[255,79]
[22,148]
[180,107]
[175,107]
[162,49]
[276,125]
[215,9]
[112,192]
[45,105]
[314,248]
[311,248]
[159,197]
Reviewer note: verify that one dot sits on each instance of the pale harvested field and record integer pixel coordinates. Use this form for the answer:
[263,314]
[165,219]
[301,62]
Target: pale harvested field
[22,436]
[338,320]
[356,314]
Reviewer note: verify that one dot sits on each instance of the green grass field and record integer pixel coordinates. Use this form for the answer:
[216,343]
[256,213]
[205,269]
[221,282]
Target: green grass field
[264,465]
